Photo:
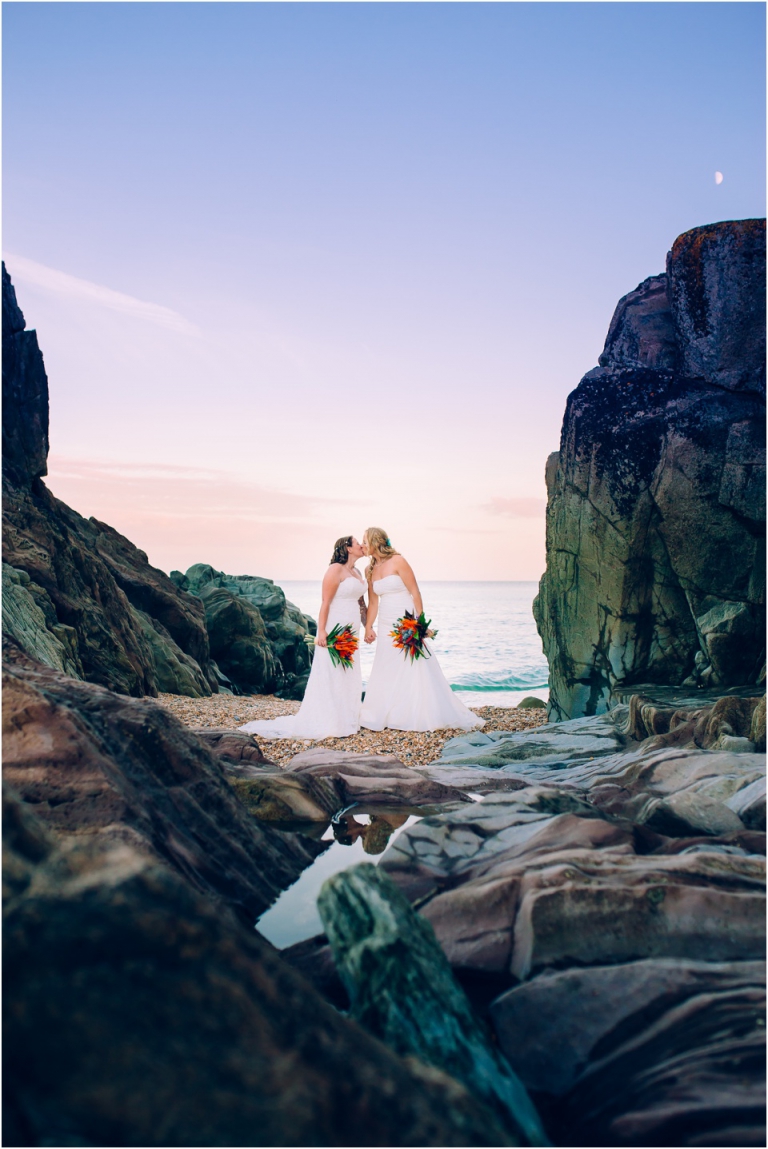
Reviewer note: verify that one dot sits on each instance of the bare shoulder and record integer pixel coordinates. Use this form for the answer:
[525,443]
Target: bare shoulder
[332,576]
[400,565]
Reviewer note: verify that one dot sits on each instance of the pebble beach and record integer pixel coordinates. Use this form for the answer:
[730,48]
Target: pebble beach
[411,747]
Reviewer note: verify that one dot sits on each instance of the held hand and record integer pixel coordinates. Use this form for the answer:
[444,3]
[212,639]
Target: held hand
[370,635]
[321,639]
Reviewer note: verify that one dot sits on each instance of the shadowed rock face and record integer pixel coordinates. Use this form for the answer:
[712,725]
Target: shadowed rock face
[656,499]
[142,1013]
[95,764]
[25,396]
[108,616]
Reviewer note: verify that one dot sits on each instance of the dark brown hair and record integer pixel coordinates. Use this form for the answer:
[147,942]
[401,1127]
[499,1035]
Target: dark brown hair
[341,550]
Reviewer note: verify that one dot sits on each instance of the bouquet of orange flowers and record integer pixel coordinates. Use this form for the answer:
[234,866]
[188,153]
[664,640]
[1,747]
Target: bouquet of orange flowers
[342,644]
[409,635]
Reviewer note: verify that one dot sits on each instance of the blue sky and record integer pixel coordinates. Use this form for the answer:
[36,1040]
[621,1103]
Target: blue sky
[300,268]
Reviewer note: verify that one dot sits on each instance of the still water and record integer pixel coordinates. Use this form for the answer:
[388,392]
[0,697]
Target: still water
[357,837]
[487,642]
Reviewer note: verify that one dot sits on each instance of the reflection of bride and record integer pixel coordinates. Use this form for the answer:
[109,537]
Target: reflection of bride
[331,706]
[375,835]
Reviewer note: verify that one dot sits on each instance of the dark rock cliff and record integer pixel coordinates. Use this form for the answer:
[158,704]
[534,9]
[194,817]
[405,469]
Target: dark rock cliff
[656,499]
[77,595]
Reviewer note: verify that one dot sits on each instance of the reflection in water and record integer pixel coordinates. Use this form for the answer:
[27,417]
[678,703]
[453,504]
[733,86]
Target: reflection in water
[374,835]
[354,836]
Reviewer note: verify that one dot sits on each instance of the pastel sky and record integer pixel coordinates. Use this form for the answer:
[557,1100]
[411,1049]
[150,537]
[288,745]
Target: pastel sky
[297,269]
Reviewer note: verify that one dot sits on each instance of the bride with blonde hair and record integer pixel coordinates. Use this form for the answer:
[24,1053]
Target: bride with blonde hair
[402,694]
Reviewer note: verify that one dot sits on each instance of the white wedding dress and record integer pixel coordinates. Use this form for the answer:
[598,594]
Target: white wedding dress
[401,694]
[331,705]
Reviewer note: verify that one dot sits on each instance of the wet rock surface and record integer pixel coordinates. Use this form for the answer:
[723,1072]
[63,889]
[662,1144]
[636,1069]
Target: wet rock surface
[656,499]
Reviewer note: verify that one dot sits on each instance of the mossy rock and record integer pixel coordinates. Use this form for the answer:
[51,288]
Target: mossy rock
[531,703]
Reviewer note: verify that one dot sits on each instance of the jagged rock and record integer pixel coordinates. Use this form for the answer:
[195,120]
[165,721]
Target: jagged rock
[377,779]
[33,628]
[402,990]
[257,636]
[717,289]
[691,1028]
[174,671]
[656,506]
[25,396]
[239,642]
[98,764]
[642,331]
[166,1022]
[86,578]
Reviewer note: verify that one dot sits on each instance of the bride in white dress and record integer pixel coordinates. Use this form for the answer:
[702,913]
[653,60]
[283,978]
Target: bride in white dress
[402,694]
[331,705]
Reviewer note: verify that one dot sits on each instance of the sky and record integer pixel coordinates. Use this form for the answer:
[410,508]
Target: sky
[299,269]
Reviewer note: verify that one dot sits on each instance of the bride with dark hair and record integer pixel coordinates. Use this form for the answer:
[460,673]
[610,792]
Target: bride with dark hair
[331,706]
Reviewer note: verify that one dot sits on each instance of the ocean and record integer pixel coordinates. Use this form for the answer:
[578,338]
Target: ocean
[487,643]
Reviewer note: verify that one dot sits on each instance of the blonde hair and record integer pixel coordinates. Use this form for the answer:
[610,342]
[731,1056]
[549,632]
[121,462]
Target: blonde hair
[378,541]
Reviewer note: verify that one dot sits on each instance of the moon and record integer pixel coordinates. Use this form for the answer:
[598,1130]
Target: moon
[718,177]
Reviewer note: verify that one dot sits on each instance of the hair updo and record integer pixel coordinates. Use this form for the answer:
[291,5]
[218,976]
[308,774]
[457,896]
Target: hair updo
[341,550]
[380,548]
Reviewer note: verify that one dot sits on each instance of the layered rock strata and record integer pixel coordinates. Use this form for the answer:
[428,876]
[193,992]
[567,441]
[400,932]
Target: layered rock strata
[656,499]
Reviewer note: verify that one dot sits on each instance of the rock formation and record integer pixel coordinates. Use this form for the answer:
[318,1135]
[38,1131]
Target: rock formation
[605,914]
[140,1012]
[81,596]
[258,638]
[656,499]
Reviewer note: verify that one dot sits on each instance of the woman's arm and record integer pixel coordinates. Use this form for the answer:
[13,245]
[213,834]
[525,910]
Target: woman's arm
[331,582]
[409,578]
[373,610]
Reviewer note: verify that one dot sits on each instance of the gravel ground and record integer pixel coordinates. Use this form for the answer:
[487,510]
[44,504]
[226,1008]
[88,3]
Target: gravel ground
[412,748]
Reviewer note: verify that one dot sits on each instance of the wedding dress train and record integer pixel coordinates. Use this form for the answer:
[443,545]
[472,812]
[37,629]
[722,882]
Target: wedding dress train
[405,695]
[331,705]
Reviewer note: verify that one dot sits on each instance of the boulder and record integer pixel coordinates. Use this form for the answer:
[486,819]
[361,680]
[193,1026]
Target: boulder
[546,746]
[239,754]
[656,504]
[95,764]
[167,1022]
[531,703]
[261,641]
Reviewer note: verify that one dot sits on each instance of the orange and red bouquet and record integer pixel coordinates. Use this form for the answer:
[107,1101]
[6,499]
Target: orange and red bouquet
[342,644]
[409,635]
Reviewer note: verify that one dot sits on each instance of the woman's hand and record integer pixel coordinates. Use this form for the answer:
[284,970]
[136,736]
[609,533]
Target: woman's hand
[321,638]
[370,634]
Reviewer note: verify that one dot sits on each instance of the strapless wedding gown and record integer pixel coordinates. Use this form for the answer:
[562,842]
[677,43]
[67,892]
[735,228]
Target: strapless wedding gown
[401,694]
[331,705]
